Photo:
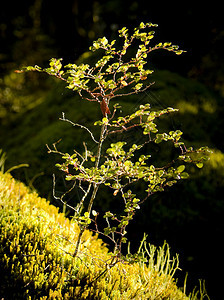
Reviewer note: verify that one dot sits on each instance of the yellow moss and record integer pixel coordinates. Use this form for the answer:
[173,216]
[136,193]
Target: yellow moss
[35,243]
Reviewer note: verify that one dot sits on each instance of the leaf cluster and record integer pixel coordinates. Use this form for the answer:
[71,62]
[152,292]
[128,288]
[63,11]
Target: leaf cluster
[115,73]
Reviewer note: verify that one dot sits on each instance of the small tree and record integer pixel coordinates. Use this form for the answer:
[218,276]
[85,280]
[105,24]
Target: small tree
[121,71]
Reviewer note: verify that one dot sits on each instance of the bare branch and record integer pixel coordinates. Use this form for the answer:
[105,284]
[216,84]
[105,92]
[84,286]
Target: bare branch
[134,92]
[79,125]
[61,198]
[83,198]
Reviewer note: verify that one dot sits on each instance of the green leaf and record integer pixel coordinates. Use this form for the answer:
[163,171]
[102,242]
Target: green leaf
[159,138]
[142,25]
[199,165]
[69,177]
[105,121]
[184,175]
[181,168]
[138,86]
[98,123]
[124,240]
[108,214]
[107,230]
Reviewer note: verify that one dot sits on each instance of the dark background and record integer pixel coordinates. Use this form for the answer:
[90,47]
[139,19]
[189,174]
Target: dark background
[32,33]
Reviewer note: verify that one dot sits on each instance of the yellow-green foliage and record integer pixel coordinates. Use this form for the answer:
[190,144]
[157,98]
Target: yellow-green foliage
[36,243]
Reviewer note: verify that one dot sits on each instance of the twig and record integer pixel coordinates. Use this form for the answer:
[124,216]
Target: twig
[134,92]
[79,125]
[61,198]
[83,198]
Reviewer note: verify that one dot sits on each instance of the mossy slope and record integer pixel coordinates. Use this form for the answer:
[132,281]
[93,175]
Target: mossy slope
[34,266]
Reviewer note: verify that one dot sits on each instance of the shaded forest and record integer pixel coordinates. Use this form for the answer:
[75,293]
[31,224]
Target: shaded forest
[190,216]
